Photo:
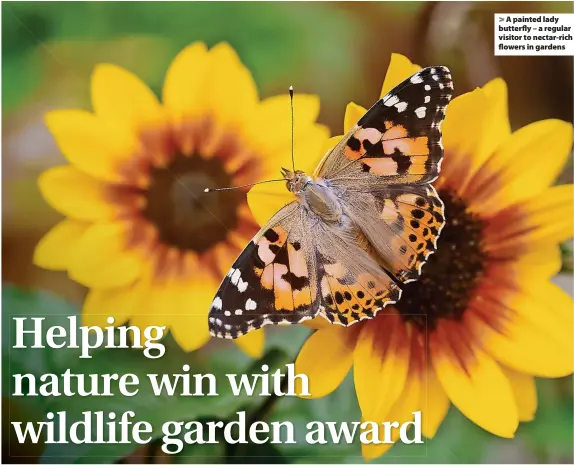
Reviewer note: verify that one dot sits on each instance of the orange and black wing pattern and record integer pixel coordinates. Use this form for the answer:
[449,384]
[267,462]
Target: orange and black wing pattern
[348,297]
[399,138]
[269,283]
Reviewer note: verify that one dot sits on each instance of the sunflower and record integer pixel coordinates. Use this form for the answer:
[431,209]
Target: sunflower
[140,232]
[483,319]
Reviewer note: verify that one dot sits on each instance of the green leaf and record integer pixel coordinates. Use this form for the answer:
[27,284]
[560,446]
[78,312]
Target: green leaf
[154,409]
[204,453]
[256,453]
[55,311]
[24,28]
[280,43]
[21,75]
[550,434]
[567,257]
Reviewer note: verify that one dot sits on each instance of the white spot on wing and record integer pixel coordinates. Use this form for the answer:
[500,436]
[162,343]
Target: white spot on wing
[421,112]
[427,98]
[250,305]
[401,106]
[238,311]
[392,100]
[242,285]
[427,87]
[416,79]
[217,303]
[237,281]
[235,277]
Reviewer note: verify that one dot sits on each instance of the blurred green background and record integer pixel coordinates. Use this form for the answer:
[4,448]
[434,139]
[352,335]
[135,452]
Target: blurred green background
[339,51]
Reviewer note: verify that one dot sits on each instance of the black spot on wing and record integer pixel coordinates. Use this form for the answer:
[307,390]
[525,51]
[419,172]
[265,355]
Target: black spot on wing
[271,235]
[354,144]
[418,105]
[403,162]
[297,282]
[243,304]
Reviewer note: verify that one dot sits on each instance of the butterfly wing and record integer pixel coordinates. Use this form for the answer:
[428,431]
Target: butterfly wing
[402,224]
[382,169]
[273,281]
[398,140]
[352,285]
[296,267]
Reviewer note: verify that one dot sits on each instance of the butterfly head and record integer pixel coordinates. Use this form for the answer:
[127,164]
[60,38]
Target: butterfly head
[296,180]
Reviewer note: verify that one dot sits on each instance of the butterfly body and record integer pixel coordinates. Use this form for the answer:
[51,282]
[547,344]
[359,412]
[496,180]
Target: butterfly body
[314,194]
[359,228]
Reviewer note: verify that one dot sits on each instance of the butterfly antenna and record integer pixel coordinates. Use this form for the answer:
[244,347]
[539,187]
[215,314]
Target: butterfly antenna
[292,128]
[207,189]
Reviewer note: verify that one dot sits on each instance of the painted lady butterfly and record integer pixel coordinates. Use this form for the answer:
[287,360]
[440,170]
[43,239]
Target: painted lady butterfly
[361,226]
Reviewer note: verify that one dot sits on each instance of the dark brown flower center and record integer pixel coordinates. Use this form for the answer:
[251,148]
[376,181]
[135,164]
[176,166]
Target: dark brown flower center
[186,217]
[451,273]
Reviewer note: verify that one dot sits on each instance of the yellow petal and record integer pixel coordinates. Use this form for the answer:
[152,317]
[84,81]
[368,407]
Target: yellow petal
[463,130]
[122,98]
[272,133]
[559,302]
[549,217]
[479,390]
[401,412]
[497,124]
[537,332]
[101,259]
[190,331]
[541,264]
[524,389]
[267,199]
[158,300]
[186,307]
[55,249]
[326,358]
[184,85]
[353,113]
[76,194]
[317,323]
[308,148]
[326,150]
[274,116]
[90,144]
[527,163]
[231,92]
[120,303]
[534,225]
[434,403]
[154,301]
[381,363]
[400,68]
[253,343]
